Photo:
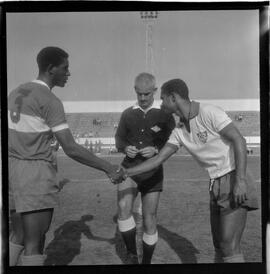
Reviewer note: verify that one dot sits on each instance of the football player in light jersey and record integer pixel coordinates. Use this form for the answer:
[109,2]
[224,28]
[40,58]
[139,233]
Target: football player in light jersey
[212,139]
[35,114]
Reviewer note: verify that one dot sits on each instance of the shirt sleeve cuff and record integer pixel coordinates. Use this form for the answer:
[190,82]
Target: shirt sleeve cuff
[59,127]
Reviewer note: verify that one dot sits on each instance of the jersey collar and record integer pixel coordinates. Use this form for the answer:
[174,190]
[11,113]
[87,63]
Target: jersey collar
[41,83]
[155,105]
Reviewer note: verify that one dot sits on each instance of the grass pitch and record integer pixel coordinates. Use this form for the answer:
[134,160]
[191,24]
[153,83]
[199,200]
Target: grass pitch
[84,231]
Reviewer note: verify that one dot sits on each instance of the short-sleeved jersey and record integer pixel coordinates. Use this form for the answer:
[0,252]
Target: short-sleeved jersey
[204,142]
[34,113]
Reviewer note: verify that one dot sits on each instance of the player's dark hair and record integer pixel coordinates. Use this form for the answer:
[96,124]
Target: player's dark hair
[50,56]
[175,86]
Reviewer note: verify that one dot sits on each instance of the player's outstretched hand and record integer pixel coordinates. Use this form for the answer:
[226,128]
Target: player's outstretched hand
[117,175]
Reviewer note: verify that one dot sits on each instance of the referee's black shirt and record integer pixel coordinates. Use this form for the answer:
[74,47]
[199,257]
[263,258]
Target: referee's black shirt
[142,129]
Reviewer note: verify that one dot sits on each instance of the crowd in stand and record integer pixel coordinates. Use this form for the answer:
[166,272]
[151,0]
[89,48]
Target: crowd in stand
[100,124]
[94,147]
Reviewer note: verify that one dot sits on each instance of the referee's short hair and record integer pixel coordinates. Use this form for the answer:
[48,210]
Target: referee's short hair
[146,79]
[177,86]
[50,56]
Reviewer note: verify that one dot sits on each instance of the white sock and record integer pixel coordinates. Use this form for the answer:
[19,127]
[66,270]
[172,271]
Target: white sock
[150,239]
[126,225]
[14,253]
[37,259]
[237,258]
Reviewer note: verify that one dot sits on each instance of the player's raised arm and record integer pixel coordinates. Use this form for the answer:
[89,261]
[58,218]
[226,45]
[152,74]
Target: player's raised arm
[167,151]
[83,156]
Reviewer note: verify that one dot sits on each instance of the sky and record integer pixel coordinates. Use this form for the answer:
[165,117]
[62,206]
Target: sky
[215,52]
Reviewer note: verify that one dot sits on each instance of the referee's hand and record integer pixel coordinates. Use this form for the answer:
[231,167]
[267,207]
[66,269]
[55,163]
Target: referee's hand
[131,151]
[148,152]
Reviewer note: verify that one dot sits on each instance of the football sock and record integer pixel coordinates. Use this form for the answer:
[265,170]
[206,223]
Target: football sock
[128,231]
[14,253]
[237,258]
[37,259]
[218,256]
[149,244]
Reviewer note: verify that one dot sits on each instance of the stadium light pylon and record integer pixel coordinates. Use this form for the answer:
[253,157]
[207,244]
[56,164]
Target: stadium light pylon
[149,17]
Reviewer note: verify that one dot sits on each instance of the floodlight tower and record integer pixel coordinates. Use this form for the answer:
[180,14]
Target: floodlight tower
[149,18]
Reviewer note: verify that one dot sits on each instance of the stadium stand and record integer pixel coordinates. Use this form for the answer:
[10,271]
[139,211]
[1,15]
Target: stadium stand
[248,124]
[93,127]
[83,123]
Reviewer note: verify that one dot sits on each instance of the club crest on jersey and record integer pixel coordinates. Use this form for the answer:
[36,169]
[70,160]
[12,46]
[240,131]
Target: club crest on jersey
[202,136]
[156,129]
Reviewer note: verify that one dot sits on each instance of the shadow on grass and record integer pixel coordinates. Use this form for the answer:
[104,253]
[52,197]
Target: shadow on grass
[66,243]
[184,249]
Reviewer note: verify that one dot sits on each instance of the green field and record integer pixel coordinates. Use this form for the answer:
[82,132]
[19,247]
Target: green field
[84,230]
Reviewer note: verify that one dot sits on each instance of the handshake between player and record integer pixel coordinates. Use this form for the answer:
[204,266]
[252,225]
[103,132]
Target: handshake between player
[118,176]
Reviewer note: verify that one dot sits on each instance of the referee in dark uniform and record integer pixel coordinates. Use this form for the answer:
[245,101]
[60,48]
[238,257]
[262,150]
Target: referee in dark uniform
[143,130]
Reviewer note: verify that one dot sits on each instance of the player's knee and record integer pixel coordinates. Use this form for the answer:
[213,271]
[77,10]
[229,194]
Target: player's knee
[124,215]
[124,207]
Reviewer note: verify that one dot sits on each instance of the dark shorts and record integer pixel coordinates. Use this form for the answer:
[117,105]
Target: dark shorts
[147,182]
[220,190]
[153,184]
[32,185]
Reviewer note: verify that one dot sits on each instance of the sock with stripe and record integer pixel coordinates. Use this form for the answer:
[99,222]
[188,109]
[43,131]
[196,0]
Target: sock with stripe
[128,231]
[237,258]
[149,244]
[36,259]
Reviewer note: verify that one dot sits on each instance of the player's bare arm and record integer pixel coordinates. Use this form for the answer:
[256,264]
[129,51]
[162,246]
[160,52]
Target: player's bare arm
[83,156]
[232,134]
[167,151]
